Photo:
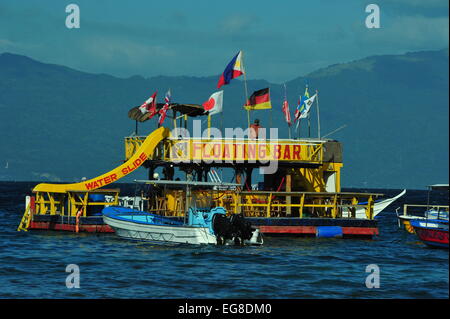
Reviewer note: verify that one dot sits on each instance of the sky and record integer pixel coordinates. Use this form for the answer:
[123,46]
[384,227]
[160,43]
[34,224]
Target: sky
[281,40]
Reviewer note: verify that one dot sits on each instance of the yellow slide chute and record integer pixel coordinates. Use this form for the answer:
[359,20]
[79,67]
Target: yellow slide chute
[138,158]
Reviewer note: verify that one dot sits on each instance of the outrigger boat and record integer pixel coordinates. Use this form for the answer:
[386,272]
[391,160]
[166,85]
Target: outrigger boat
[433,234]
[434,216]
[203,226]
[379,206]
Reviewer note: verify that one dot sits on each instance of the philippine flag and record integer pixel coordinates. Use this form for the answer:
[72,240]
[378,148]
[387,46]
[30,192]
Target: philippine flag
[233,70]
[214,103]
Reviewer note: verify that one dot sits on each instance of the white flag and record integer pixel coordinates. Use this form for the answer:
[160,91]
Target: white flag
[308,104]
[214,103]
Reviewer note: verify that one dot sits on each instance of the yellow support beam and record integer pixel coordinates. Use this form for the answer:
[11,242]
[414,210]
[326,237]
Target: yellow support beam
[369,208]
[269,205]
[302,203]
[334,208]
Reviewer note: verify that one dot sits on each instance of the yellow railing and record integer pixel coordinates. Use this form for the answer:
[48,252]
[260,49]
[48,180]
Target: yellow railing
[304,204]
[439,208]
[274,204]
[50,203]
[69,203]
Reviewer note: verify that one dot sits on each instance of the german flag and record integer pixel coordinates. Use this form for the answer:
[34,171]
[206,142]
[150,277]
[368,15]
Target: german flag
[259,100]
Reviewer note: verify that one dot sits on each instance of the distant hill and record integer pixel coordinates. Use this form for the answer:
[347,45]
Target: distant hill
[396,108]
[61,124]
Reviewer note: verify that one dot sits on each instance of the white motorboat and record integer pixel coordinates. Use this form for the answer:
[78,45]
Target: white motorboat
[203,225]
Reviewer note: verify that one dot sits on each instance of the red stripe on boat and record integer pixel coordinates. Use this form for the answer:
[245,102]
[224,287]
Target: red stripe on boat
[432,235]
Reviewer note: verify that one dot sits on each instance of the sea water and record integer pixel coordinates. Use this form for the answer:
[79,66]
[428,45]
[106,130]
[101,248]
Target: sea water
[33,264]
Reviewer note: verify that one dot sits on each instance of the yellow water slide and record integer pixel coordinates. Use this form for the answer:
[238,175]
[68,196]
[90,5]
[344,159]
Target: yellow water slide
[138,158]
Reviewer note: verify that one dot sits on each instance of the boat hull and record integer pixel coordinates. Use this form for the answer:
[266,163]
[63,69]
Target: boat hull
[407,220]
[378,207]
[161,233]
[431,236]
[138,225]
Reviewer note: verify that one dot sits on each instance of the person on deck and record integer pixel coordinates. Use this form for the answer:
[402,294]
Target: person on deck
[254,129]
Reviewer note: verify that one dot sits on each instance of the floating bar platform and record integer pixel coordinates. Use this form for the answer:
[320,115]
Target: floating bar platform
[312,227]
[292,227]
[302,197]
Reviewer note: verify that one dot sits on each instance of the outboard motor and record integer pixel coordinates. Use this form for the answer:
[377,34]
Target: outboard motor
[222,228]
[235,229]
[243,228]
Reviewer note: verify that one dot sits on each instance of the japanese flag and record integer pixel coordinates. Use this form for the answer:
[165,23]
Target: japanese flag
[214,103]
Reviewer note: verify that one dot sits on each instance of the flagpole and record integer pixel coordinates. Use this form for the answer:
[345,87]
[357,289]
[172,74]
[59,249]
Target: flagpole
[246,89]
[309,113]
[270,117]
[285,98]
[221,124]
[318,115]
[309,125]
[209,126]
[174,114]
[297,128]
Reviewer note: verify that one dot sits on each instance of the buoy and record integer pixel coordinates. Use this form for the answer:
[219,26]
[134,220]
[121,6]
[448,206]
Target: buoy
[328,231]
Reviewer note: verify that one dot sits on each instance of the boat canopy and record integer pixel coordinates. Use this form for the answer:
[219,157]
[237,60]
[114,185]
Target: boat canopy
[185,109]
[438,187]
[190,183]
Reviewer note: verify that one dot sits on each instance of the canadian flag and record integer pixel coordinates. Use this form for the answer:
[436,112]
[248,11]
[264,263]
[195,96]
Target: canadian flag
[214,103]
[149,105]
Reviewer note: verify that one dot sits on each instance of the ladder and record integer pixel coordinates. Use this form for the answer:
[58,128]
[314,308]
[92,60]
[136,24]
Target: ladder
[26,219]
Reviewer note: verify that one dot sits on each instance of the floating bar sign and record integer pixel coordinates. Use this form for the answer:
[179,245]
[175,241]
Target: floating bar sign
[240,151]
